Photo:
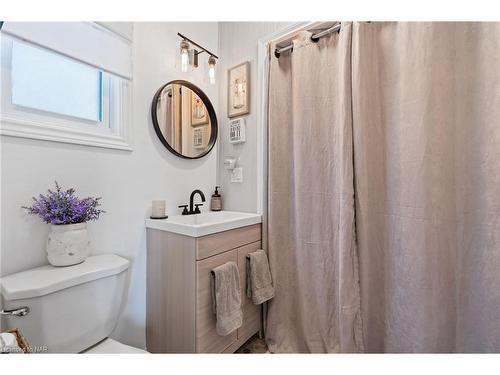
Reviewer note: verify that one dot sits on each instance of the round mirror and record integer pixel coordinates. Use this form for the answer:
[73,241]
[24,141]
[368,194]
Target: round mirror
[184,119]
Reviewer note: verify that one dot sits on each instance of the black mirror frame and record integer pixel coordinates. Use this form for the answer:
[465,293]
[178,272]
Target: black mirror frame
[211,113]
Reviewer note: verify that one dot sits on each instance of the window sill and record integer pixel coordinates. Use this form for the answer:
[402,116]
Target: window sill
[13,126]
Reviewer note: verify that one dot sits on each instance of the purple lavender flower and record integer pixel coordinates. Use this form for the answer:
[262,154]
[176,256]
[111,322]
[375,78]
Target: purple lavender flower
[63,207]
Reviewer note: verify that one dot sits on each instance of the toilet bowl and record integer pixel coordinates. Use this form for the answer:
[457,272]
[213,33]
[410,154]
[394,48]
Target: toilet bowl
[69,309]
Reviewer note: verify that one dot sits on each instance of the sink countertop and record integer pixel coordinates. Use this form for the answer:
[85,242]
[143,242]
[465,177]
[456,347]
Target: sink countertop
[205,223]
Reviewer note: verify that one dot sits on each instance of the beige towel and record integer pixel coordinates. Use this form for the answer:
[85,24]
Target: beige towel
[259,282]
[226,298]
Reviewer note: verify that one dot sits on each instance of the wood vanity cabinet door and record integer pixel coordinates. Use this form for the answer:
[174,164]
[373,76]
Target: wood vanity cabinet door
[217,243]
[207,339]
[251,312]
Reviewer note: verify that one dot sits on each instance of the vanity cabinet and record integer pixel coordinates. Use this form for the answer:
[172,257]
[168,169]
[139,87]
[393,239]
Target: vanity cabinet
[179,315]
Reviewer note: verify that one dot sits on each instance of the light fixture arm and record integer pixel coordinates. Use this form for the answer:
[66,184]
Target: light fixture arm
[203,49]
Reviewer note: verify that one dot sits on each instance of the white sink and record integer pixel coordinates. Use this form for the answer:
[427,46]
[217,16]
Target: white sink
[205,223]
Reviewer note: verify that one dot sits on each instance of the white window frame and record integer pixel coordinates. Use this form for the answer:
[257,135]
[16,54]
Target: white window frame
[17,121]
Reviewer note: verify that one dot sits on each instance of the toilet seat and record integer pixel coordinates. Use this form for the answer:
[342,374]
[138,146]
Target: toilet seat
[110,346]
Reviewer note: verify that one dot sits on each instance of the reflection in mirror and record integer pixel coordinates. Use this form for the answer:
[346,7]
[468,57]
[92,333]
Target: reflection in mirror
[182,120]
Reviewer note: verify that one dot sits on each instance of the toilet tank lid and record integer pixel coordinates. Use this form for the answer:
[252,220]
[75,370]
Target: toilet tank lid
[43,280]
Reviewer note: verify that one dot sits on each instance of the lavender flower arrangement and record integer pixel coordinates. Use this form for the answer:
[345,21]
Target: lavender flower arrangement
[63,207]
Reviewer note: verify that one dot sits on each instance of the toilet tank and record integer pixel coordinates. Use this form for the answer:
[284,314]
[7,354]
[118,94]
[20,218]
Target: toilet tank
[71,308]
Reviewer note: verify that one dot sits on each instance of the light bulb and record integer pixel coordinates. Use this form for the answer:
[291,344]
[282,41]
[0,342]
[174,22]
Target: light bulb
[184,56]
[211,74]
[211,69]
[184,61]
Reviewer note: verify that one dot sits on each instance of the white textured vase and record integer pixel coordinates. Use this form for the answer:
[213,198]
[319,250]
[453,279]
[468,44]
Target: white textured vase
[67,244]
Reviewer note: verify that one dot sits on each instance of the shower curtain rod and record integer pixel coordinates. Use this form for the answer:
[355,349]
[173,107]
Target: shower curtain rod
[315,37]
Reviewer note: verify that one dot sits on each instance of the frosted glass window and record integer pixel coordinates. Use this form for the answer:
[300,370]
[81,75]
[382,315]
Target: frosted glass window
[47,81]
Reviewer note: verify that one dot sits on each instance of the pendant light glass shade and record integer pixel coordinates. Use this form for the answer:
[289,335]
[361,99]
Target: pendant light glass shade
[184,56]
[211,69]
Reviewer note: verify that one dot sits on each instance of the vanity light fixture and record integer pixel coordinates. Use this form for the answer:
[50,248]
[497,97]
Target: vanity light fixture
[189,56]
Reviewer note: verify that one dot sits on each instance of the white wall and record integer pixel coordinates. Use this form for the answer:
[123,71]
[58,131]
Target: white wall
[127,181]
[238,42]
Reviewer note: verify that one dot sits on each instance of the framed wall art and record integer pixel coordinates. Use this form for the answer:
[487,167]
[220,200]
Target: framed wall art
[199,115]
[238,95]
[198,138]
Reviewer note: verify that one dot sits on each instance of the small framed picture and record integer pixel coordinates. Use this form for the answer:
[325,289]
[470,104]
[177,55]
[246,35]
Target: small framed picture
[238,94]
[198,138]
[199,115]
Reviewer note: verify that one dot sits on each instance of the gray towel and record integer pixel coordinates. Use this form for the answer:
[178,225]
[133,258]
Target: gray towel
[259,282]
[226,298]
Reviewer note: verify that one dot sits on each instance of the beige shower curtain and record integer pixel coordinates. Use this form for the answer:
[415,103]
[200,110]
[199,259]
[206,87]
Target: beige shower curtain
[311,243]
[425,123]
[426,119]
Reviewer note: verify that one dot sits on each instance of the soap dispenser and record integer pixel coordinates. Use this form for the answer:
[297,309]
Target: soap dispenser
[216,201]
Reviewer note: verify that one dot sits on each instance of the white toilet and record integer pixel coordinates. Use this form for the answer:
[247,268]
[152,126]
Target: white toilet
[71,309]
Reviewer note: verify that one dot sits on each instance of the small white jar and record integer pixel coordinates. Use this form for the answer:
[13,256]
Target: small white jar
[158,209]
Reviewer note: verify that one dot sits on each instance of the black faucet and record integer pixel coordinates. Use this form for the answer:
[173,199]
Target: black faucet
[196,209]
